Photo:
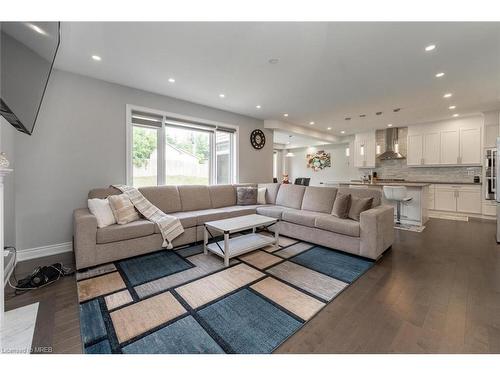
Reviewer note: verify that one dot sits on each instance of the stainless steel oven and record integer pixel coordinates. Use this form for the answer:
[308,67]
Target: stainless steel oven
[490,172]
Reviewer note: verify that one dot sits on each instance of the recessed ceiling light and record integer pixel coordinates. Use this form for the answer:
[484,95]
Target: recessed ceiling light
[171,80]
[430,47]
[389,125]
[448,95]
[439,75]
[328,128]
[285,114]
[452,107]
[342,132]
[311,123]
[36,28]
[455,115]
[222,95]
[96,58]
[258,106]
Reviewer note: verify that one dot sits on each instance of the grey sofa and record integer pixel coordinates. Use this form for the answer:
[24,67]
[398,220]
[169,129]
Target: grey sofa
[304,213]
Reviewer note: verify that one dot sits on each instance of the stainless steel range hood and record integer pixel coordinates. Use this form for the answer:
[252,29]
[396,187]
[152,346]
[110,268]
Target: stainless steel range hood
[391,145]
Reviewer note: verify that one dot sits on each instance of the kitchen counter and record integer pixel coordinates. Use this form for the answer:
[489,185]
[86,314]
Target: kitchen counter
[381,183]
[448,182]
[413,212]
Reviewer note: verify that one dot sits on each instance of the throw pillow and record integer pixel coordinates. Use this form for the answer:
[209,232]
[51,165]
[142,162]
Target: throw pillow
[261,195]
[359,205]
[341,205]
[123,209]
[246,195]
[101,209]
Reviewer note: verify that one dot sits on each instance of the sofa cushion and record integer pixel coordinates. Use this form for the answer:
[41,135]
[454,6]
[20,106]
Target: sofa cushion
[337,225]
[363,192]
[102,193]
[222,195]
[341,205]
[123,209]
[306,218]
[235,211]
[319,199]
[117,232]
[202,216]
[271,192]
[290,195]
[188,219]
[246,195]
[359,205]
[271,211]
[166,198]
[194,197]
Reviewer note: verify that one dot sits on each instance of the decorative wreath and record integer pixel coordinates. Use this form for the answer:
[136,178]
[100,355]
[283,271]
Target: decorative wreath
[319,160]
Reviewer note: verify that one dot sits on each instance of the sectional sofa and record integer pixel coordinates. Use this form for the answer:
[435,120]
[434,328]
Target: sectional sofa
[304,213]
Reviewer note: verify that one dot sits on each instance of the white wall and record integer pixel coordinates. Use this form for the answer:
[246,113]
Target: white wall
[79,144]
[341,170]
[7,145]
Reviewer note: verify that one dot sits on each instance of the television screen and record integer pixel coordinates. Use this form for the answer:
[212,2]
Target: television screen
[27,54]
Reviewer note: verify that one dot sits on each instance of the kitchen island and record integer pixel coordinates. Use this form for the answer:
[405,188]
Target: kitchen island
[414,212]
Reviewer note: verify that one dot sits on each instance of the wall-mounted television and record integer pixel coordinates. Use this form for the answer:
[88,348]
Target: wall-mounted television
[27,54]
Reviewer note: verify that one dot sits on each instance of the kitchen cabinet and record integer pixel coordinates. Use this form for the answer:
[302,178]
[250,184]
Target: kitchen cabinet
[431,147]
[458,198]
[424,149]
[470,145]
[364,150]
[415,149]
[445,144]
[445,200]
[449,147]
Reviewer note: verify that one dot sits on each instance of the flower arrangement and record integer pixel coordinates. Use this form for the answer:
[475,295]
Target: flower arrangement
[319,160]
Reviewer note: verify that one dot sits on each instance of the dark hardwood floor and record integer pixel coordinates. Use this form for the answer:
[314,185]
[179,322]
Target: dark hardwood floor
[433,292]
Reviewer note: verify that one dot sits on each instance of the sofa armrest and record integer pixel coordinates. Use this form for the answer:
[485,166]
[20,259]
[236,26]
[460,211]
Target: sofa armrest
[376,231]
[84,237]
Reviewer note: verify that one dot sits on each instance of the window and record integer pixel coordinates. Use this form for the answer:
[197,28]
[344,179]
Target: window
[168,151]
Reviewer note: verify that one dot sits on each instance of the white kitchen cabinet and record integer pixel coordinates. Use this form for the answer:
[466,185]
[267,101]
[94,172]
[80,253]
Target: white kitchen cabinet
[470,146]
[449,143]
[364,150]
[424,149]
[445,200]
[431,148]
[458,198]
[469,201]
[415,149]
[449,147]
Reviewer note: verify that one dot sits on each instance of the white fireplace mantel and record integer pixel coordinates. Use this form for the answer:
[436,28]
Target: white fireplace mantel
[3,172]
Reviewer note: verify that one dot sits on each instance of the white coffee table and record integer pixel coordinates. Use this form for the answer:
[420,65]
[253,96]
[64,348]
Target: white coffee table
[233,247]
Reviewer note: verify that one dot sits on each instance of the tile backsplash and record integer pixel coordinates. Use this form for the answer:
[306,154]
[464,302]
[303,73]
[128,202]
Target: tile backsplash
[399,169]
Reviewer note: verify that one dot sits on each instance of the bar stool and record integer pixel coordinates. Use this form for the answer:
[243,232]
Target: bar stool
[397,194]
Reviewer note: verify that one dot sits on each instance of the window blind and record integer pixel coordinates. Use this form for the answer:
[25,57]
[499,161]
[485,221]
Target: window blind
[148,119]
[155,120]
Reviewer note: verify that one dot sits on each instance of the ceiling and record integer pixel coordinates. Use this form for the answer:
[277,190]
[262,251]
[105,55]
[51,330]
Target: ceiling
[290,140]
[324,72]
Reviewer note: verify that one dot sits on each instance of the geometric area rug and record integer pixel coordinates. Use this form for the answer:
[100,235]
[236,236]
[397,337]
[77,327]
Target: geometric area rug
[182,301]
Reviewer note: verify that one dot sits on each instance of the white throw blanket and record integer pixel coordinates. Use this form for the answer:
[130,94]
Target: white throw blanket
[170,226]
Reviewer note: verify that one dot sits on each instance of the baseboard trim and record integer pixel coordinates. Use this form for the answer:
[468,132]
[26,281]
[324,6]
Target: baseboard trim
[43,251]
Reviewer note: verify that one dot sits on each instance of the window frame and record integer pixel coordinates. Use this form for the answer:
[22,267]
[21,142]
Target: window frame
[161,137]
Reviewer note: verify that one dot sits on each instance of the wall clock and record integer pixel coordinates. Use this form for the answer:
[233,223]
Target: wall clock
[257,139]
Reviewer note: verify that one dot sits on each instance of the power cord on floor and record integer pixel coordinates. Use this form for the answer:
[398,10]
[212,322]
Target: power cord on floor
[39,278]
